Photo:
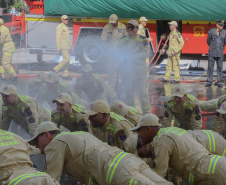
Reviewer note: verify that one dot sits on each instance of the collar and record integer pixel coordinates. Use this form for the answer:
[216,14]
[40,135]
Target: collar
[106,124]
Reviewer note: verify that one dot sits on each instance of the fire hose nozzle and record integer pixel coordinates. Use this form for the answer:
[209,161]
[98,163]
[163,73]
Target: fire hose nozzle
[163,36]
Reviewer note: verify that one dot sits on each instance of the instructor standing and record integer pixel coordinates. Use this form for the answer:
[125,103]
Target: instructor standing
[216,41]
[176,44]
[64,46]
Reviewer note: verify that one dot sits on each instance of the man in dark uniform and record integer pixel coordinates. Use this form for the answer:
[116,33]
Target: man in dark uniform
[216,41]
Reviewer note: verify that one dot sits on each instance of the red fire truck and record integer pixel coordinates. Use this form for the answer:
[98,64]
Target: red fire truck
[194,18]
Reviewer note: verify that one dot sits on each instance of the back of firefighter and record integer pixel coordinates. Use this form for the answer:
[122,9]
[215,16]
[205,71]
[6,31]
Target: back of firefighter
[176,148]
[211,140]
[7,48]
[15,164]
[64,45]
[96,161]
[133,69]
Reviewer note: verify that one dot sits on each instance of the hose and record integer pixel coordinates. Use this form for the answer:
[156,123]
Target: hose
[156,50]
[159,55]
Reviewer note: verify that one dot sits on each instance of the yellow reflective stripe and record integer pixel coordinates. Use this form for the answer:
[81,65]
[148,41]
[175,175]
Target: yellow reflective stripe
[132,182]
[113,166]
[191,97]
[211,140]
[77,109]
[74,133]
[176,121]
[112,127]
[133,110]
[90,181]
[224,153]
[213,163]
[24,176]
[5,108]
[171,104]
[191,179]
[186,103]
[174,130]
[22,98]
[116,116]
[8,54]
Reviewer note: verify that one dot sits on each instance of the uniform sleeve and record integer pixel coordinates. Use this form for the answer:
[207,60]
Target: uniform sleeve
[180,42]
[55,158]
[54,120]
[104,34]
[4,33]
[5,121]
[124,132]
[196,118]
[167,117]
[161,155]
[124,31]
[58,35]
[32,117]
[209,38]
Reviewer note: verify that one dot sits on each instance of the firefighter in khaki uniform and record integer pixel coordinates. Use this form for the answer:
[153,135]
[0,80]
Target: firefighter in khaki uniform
[184,109]
[212,141]
[176,44]
[135,49]
[15,165]
[23,110]
[213,105]
[108,126]
[64,45]
[7,48]
[130,113]
[176,148]
[141,31]
[68,115]
[95,161]
[111,35]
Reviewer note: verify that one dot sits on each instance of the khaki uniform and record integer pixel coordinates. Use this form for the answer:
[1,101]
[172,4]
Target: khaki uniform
[64,44]
[133,70]
[89,160]
[175,148]
[76,121]
[176,44]
[25,113]
[134,116]
[92,85]
[7,48]
[141,31]
[186,116]
[212,141]
[115,131]
[210,105]
[111,36]
[15,164]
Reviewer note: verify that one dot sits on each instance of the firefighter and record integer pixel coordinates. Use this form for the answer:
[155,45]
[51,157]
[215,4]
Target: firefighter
[133,69]
[220,119]
[141,31]
[64,46]
[95,161]
[23,110]
[91,84]
[108,126]
[52,88]
[7,48]
[69,115]
[184,109]
[35,85]
[176,44]
[111,35]
[216,41]
[213,105]
[16,166]
[176,148]
[130,113]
